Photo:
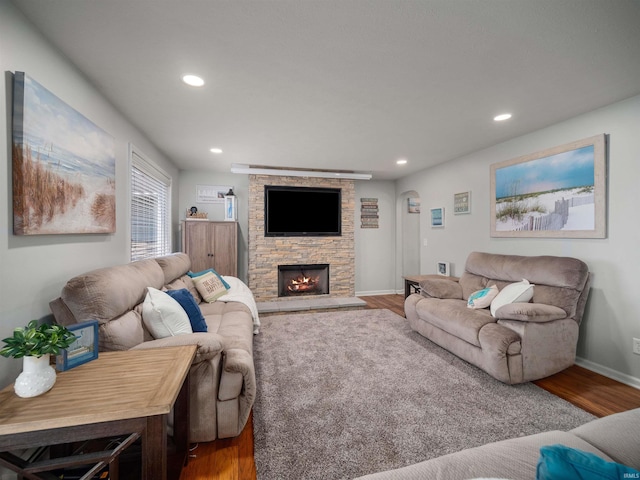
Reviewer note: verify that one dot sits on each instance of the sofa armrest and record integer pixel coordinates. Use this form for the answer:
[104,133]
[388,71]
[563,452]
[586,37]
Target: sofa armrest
[209,344]
[530,312]
[441,288]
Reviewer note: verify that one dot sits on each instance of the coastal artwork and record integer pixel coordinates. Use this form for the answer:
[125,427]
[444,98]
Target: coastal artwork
[556,193]
[63,166]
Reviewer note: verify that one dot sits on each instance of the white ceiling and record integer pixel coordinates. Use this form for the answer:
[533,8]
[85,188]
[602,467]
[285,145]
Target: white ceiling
[346,84]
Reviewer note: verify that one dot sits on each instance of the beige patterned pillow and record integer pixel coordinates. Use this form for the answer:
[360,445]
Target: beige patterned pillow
[210,287]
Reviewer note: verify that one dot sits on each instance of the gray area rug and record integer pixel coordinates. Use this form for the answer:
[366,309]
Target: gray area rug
[344,394]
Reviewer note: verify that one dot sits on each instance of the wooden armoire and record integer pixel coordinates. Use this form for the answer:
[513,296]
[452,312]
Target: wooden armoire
[211,245]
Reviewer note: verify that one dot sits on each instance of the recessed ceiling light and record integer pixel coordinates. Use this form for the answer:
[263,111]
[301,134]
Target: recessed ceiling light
[215,150]
[502,117]
[193,80]
[402,161]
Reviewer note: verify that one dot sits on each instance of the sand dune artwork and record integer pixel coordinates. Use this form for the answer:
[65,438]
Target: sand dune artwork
[63,166]
[560,192]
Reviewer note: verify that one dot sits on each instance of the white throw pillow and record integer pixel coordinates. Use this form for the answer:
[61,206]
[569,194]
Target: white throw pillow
[512,293]
[163,316]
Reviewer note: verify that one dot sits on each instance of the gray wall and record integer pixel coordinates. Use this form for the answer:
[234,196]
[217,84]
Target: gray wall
[375,247]
[35,268]
[612,318]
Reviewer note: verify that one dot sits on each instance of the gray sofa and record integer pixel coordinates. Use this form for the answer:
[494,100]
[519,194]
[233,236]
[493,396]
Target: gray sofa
[223,385]
[613,438]
[524,341]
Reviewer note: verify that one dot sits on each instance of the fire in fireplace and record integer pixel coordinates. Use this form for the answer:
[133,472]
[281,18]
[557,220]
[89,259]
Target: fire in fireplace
[294,280]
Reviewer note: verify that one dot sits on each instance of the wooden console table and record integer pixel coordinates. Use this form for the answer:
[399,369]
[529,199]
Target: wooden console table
[121,393]
[413,281]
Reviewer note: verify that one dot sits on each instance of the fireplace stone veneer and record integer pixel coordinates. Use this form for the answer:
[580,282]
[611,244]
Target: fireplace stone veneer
[266,253]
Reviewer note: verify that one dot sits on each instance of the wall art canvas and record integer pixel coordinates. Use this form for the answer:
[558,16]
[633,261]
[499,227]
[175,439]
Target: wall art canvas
[437,217]
[414,205]
[559,192]
[211,193]
[63,166]
[461,203]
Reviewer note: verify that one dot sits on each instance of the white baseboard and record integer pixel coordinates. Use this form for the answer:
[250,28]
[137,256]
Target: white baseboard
[608,372]
[375,292]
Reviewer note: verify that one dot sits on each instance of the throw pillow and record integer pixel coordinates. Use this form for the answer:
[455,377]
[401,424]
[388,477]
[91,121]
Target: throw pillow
[209,270]
[163,316]
[482,298]
[512,293]
[210,287]
[559,462]
[190,306]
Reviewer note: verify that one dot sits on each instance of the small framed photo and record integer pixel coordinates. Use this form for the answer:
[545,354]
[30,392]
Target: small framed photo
[443,268]
[462,203]
[437,217]
[83,350]
[414,205]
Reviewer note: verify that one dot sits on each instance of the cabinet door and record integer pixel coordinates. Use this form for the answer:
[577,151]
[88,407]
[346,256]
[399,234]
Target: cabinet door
[198,244]
[225,248]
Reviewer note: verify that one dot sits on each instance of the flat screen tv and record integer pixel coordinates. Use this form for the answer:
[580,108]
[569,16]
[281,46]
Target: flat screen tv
[302,211]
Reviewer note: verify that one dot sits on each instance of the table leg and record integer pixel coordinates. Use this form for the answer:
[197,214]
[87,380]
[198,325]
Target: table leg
[154,448]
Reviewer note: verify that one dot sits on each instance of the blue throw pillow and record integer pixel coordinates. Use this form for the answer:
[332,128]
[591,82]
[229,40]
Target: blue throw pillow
[558,462]
[197,274]
[189,304]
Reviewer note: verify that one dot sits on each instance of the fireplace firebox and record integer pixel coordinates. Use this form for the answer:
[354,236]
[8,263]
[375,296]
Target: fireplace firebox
[298,280]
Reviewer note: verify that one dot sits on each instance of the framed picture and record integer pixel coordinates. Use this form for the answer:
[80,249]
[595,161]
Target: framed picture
[437,217]
[559,192]
[462,203]
[443,268]
[211,193]
[68,160]
[414,205]
[83,350]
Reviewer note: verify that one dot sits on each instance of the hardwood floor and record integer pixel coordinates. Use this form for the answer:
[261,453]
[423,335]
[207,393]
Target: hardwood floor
[232,459]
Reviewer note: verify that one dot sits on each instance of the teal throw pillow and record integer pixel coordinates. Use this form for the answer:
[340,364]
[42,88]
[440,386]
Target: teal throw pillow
[199,274]
[482,298]
[559,462]
[190,306]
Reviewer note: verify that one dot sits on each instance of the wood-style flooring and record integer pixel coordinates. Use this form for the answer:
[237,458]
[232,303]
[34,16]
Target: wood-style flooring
[232,459]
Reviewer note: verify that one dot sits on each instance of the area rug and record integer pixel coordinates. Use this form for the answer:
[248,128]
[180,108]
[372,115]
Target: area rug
[344,394]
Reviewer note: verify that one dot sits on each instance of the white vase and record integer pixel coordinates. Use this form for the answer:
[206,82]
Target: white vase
[37,377]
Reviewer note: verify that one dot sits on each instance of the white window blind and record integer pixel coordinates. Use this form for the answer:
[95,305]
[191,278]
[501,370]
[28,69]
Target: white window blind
[150,209]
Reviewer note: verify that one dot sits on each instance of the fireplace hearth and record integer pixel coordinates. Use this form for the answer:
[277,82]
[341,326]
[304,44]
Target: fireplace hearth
[300,280]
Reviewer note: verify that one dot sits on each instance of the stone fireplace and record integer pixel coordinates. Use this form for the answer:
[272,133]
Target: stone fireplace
[267,253]
[300,280]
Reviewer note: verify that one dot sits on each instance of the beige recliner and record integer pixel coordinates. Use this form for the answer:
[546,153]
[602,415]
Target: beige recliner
[523,341]
[222,386]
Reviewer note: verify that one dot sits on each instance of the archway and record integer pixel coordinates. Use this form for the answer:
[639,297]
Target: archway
[407,237]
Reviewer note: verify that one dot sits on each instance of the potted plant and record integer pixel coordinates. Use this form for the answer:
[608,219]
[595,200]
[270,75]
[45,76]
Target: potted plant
[34,344]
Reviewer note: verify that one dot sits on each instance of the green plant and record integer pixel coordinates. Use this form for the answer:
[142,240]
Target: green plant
[36,340]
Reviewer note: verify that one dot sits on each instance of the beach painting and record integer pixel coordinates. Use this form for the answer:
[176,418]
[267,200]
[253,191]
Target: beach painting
[559,192]
[63,166]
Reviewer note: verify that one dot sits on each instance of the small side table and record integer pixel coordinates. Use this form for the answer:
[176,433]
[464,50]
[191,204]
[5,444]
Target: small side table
[412,282]
[129,392]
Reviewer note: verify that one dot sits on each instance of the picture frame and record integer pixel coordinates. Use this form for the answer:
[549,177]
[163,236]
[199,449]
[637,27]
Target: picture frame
[73,168]
[555,193]
[413,205]
[84,349]
[462,203]
[437,217]
[211,193]
[443,269]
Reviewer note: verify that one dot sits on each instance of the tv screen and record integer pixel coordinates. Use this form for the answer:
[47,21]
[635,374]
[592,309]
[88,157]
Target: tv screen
[302,211]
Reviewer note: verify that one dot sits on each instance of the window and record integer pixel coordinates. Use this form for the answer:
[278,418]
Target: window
[150,209]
